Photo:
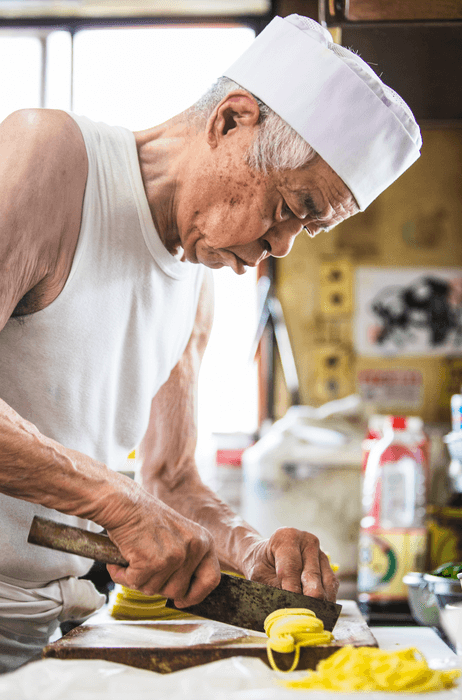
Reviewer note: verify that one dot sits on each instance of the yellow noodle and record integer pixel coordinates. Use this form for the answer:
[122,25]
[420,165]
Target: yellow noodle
[368,669]
[129,604]
[133,605]
[289,629]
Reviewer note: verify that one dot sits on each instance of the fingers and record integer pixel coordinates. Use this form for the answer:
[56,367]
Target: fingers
[167,554]
[297,562]
[118,574]
[186,586]
[298,565]
[318,579]
[136,578]
[329,579]
[205,578]
[289,567]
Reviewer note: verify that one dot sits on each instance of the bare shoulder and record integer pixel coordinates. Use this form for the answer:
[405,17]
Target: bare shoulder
[51,133]
[36,122]
[43,170]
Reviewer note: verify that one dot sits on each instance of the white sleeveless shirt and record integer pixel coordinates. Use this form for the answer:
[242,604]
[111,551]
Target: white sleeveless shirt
[84,370]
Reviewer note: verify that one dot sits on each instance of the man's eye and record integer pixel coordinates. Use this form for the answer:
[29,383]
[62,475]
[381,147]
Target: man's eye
[286,211]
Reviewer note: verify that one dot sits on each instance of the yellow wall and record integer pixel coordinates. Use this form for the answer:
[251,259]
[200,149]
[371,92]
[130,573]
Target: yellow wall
[416,223]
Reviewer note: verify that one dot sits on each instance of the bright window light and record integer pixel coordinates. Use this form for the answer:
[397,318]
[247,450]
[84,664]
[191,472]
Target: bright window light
[139,77]
[228,382]
[20,61]
[59,70]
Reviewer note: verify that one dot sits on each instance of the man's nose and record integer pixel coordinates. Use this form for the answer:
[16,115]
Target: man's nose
[281,237]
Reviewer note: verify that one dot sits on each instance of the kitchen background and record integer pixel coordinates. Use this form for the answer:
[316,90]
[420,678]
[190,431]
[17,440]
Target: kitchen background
[372,309]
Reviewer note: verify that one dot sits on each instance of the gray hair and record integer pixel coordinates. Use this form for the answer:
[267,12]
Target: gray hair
[277,146]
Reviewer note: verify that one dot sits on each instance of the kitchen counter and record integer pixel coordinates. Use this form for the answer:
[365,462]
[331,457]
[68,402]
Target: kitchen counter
[426,639]
[237,678]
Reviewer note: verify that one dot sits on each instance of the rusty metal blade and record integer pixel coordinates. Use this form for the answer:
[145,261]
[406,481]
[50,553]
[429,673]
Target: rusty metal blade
[244,603]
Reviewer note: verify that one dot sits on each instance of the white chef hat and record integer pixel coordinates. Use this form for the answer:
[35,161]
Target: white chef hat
[334,100]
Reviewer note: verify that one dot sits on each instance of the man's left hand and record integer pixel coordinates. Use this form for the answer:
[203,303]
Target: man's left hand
[291,559]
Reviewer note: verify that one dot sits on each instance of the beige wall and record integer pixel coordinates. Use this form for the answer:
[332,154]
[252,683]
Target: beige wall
[417,223]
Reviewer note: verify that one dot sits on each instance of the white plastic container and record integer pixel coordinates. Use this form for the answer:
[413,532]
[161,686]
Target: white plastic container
[305,472]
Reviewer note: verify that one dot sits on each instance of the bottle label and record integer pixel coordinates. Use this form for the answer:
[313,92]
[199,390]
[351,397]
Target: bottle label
[402,494]
[385,556]
[456,411]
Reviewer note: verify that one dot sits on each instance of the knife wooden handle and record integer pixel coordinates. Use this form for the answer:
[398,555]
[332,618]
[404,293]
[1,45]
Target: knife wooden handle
[74,540]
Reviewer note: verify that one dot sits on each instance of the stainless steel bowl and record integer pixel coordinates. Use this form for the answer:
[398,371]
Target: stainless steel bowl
[447,591]
[422,602]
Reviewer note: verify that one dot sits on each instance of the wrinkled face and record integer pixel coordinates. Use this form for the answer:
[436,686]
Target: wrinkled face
[236,217]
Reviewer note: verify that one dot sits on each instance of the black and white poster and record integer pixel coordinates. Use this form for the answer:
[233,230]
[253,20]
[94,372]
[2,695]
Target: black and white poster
[408,311]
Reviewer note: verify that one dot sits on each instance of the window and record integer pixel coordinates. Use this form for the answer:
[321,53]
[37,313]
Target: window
[20,73]
[139,77]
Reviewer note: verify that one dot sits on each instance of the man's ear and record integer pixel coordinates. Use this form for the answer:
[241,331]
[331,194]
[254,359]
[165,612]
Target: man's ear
[238,109]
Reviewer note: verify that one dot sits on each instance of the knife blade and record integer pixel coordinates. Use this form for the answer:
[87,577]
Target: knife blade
[243,603]
[235,601]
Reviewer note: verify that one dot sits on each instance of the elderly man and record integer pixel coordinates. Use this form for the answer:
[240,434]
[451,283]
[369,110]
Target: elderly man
[105,311]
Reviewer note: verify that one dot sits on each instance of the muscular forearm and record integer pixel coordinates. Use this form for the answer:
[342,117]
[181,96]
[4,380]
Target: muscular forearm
[232,536]
[37,469]
[165,552]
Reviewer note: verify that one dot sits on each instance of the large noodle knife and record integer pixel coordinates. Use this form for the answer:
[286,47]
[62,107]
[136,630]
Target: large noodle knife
[235,601]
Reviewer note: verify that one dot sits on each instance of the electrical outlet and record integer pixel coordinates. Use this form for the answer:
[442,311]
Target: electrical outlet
[336,287]
[332,372]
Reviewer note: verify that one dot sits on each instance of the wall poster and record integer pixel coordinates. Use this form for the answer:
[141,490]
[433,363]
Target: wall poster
[408,311]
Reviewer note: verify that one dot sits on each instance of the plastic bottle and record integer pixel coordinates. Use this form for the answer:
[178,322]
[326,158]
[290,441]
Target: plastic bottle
[445,521]
[393,535]
[456,412]
[453,441]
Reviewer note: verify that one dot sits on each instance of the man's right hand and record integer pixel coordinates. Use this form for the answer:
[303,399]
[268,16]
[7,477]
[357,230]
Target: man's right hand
[167,554]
